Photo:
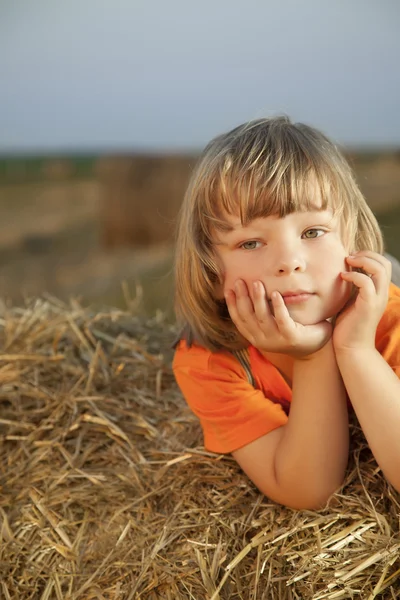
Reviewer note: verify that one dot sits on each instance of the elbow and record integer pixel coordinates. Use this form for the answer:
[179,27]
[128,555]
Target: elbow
[396,487]
[308,502]
[305,503]
[314,502]
[319,498]
[394,482]
[392,475]
[310,488]
[305,499]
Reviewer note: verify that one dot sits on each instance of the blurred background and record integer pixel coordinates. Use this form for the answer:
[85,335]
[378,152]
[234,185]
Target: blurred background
[105,105]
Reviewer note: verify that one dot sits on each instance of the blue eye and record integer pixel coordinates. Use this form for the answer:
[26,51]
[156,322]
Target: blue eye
[250,245]
[311,234]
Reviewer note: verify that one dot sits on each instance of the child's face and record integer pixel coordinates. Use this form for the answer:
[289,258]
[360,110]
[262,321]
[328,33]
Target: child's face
[301,256]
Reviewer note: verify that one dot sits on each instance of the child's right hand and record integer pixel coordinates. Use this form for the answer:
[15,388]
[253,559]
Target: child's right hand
[273,332]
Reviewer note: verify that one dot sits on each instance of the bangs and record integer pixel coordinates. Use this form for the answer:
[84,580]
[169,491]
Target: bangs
[259,169]
[258,180]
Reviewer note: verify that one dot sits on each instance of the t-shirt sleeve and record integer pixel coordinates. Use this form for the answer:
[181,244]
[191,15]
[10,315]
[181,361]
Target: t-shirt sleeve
[232,412]
[388,331]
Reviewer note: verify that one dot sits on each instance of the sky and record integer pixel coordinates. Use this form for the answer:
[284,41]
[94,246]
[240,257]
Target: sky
[157,75]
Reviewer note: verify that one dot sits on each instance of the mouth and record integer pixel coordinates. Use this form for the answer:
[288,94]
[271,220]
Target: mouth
[296,297]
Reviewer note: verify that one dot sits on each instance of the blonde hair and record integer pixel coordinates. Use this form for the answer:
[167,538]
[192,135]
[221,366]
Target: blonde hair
[261,168]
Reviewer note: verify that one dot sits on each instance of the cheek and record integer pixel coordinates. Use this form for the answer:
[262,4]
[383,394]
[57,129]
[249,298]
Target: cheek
[233,270]
[339,292]
[341,295]
[336,291]
[332,261]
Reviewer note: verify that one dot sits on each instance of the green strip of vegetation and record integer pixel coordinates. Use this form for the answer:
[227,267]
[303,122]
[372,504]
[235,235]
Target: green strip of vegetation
[26,169]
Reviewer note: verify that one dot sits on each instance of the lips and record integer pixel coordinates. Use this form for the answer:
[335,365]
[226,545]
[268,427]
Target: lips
[294,293]
[296,297]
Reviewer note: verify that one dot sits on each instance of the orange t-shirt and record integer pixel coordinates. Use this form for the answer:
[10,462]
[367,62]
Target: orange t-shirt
[231,410]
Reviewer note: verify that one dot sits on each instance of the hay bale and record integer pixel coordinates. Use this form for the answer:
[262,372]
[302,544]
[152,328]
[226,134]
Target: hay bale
[378,175]
[107,492]
[140,198]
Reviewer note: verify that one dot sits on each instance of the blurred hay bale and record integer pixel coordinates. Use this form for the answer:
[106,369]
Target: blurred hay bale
[378,175]
[107,492]
[141,196]
[57,168]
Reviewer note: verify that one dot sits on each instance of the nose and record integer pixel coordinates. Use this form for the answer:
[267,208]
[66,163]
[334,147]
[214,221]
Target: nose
[289,260]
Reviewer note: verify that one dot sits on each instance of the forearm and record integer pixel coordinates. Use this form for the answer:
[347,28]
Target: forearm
[312,456]
[374,391]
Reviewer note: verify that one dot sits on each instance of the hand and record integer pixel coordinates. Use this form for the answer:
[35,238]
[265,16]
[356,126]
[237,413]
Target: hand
[356,324]
[273,332]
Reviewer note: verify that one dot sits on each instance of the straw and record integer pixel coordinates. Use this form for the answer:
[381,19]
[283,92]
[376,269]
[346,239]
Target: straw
[108,493]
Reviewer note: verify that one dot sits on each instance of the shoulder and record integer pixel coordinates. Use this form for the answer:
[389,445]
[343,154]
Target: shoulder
[209,379]
[196,357]
[394,294]
[388,330]
[391,315]
[215,385]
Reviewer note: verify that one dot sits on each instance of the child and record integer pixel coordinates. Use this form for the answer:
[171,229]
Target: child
[287,311]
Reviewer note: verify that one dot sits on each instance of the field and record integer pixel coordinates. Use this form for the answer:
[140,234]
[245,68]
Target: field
[82,226]
[51,240]
[106,489]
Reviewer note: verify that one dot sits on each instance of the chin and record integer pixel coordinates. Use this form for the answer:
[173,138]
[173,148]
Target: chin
[312,317]
[303,320]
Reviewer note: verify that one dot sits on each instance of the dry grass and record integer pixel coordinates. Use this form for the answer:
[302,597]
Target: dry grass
[107,492]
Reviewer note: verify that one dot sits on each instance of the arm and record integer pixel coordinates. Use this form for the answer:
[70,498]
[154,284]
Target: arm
[373,388]
[374,391]
[302,463]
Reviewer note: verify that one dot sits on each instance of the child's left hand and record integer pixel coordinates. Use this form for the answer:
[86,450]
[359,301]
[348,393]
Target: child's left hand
[356,324]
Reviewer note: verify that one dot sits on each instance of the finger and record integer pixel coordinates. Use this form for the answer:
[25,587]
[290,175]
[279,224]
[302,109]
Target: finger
[232,304]
[366,287]
[242,327]
[375,268]
[385,262]
[262,310]
[244,303]
[282,316]
[241,311]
